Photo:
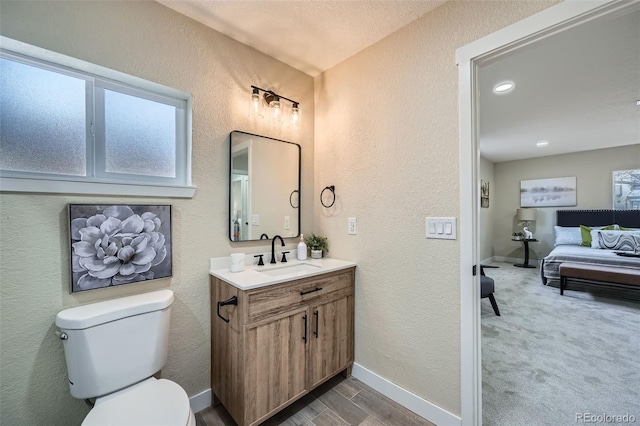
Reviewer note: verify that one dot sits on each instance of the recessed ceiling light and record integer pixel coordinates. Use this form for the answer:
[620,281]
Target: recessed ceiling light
[542,144]
[503,87]
[638,103]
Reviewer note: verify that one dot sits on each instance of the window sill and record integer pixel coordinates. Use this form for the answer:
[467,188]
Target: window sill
[8,184]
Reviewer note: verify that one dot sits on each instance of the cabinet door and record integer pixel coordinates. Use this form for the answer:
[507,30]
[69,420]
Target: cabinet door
[276,361]
[331,338]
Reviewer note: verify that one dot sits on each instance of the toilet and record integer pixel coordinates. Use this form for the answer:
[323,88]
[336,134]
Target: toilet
[113,349]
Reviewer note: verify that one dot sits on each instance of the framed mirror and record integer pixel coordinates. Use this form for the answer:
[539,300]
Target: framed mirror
[264,187]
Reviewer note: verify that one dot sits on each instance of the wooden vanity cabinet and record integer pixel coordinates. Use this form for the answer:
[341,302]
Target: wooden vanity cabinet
[281,341]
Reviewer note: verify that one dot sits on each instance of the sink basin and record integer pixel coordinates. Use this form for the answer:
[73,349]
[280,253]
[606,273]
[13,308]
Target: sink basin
[290,269]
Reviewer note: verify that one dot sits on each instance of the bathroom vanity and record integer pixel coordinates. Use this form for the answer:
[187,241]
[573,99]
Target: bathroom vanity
[277,332]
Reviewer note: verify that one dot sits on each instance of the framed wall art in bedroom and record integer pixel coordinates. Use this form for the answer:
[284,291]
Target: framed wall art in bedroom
[484,194]
[554,192]
[626,189]
[112,245]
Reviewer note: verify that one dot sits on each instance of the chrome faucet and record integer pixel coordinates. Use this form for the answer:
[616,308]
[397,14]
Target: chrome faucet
[273,248]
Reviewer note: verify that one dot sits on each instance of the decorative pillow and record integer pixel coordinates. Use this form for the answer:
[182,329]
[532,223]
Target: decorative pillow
[586,233]
[567,235]
[615,240]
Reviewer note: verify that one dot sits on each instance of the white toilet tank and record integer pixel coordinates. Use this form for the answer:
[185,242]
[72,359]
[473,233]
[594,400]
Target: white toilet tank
[113,344]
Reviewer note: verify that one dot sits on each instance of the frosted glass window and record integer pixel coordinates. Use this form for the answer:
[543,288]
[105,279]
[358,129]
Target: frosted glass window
[140,136]
[43,121]
[68,126]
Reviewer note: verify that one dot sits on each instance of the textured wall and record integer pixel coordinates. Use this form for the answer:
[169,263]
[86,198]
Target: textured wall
[150,41]
[387,137]
[593,172]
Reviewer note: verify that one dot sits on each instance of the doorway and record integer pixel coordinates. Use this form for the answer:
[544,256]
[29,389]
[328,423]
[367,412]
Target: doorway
[469,58]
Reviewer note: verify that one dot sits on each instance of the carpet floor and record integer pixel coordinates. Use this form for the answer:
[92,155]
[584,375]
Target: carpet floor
[558,360]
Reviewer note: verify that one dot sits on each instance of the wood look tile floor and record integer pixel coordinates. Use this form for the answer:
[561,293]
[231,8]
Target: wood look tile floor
[339,402]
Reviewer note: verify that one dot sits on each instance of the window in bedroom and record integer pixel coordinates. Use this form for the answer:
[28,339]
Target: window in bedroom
[66,130]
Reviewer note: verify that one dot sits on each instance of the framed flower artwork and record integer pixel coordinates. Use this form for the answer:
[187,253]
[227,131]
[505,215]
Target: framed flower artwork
[119,244]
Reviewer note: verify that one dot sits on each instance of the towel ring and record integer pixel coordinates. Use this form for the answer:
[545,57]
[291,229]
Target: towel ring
[295,191]
[331,188]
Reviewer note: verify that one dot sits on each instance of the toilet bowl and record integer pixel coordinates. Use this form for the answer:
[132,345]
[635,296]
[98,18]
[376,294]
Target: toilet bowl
[113,349]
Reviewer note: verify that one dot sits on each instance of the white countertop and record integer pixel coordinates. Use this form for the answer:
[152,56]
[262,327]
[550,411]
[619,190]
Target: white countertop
[255,276]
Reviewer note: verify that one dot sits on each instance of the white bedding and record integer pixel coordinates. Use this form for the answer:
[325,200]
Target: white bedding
[572,253]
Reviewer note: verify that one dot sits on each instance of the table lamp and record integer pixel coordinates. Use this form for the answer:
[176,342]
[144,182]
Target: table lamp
[526,216]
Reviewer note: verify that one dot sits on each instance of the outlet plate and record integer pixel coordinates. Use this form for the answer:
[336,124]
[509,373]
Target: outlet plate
[287,222]
[352,228]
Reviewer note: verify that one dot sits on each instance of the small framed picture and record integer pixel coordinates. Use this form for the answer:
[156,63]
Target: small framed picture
[120,244]
[484,194]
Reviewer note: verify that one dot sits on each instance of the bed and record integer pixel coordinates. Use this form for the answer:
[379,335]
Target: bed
[609,223]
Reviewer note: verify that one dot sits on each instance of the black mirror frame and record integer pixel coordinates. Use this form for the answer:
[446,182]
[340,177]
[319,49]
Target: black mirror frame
[298,207]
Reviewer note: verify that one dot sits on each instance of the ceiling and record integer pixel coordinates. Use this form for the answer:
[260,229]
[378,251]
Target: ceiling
[576,89]
[310,35]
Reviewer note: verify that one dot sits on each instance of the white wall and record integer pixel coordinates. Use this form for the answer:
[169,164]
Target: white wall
[387,137]
[150,41]
[593,172]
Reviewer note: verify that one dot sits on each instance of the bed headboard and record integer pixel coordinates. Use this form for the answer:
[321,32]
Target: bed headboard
[626,218]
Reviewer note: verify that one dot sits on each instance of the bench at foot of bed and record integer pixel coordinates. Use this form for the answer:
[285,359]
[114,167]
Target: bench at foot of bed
[600,273]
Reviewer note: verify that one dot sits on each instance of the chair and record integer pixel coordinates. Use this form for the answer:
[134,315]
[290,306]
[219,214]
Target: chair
[487,287]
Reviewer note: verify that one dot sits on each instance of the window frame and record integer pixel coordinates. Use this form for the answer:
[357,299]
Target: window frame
[98,182]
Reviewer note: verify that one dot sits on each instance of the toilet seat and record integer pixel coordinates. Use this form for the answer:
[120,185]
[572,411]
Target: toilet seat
[151,402]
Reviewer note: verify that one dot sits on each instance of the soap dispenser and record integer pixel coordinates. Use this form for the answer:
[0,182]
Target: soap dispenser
[302,248]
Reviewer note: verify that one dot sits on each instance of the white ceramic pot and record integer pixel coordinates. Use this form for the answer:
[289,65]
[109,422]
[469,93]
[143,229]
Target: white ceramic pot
[316,254]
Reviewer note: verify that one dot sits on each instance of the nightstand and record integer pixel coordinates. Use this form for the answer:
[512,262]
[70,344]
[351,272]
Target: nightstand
[526,242]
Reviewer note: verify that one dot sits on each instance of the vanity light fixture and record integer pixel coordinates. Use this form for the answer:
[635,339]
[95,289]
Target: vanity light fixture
[503,87]
[274,101]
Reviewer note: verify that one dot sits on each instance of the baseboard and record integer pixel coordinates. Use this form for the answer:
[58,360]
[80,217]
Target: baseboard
[200,401]
[411,401]
[487,261]
[535,262]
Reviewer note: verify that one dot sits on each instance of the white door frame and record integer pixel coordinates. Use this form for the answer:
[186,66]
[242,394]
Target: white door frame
[543,24]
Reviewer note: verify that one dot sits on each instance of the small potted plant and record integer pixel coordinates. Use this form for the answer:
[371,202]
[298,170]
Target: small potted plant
[518,235]
[317,244]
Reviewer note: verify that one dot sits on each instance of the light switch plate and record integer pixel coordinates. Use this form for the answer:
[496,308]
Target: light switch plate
[287,222]
[255,219]
[353,226]
[441,228]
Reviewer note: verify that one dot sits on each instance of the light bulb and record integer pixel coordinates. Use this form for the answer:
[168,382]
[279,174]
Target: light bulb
[295,115]
[275,104]
[255,109]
